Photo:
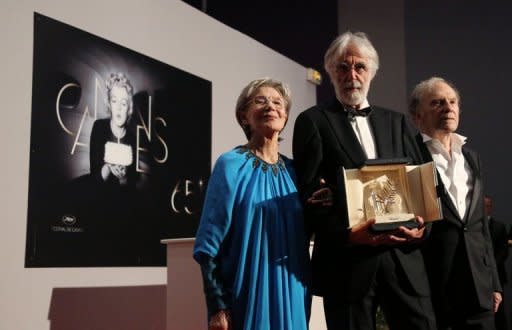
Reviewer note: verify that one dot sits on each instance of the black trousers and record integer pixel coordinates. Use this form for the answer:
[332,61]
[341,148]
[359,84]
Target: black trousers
[500,317]
[475,321]
[402,307]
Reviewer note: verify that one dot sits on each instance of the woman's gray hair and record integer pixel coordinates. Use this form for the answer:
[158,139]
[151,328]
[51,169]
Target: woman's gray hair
[250,91]
[424,87]
[339,47]
[119,79]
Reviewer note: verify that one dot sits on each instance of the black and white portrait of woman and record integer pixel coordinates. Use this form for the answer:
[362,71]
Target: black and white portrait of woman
[112,145]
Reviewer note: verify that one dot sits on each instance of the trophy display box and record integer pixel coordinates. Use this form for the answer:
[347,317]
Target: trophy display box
[391,192]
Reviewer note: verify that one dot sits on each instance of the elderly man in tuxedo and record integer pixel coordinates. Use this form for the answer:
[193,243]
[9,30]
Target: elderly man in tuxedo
[458,254]
[357,269]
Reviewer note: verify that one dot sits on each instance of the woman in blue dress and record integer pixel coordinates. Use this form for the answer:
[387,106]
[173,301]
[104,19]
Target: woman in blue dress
[251,243]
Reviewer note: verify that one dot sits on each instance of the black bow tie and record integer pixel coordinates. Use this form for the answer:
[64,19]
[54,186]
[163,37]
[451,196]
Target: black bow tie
[351,112]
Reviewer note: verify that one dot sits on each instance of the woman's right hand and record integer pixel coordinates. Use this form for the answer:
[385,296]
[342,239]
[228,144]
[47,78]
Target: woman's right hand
[220,320]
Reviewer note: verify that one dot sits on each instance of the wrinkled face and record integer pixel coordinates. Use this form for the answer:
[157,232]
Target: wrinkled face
[119,105]
[438,110]
[352,77]
[266,112]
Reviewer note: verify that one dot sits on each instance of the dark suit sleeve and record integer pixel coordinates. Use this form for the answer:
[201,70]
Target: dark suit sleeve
[488,240]
[499,235]
[307,156]
[495,277]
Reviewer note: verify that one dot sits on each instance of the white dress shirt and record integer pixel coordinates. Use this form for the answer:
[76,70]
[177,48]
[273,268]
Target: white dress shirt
[361,127]
[453,169]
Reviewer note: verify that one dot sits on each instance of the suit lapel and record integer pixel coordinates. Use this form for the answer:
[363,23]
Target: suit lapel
[344,133]
[441,191]
[477,182]
[380,123]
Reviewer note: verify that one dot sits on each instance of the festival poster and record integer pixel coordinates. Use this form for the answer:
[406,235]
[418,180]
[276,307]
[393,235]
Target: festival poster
[120,152]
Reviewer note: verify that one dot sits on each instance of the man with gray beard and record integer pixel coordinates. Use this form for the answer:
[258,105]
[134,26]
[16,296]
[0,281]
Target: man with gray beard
[357,269]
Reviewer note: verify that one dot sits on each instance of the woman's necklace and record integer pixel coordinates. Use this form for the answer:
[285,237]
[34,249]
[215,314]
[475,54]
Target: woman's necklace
[272,159]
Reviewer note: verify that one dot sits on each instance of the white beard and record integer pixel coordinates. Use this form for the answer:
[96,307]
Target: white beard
[357,98]
[353,99]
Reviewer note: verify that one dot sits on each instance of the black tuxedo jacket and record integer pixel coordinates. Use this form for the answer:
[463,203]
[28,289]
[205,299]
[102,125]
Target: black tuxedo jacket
[323,141]
[459,250]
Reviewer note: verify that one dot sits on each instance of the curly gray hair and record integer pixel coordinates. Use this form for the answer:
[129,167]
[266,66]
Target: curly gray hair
[251,89]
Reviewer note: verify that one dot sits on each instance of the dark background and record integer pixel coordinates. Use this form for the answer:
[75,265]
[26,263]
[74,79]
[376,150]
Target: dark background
[301,31]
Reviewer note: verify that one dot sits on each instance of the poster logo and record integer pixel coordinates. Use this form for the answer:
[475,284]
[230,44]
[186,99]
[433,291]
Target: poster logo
[68,220]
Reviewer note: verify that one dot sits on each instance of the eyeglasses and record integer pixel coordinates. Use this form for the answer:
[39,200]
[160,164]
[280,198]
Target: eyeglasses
[357,67]
[262,101]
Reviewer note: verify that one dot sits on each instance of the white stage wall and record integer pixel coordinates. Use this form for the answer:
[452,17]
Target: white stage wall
[169,31]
